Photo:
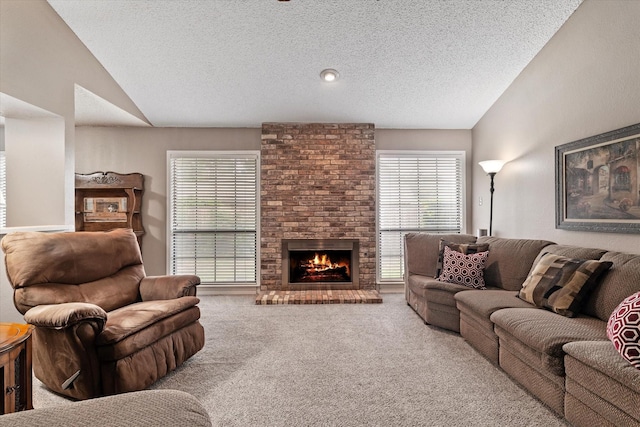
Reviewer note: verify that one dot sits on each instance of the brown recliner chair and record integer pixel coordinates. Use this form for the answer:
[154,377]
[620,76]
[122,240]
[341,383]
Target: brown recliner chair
[101,326]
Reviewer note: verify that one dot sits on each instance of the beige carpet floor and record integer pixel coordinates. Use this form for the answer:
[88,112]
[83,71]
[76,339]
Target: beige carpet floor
[340,365]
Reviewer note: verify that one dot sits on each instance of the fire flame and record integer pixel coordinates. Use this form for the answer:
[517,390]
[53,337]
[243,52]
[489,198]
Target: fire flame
[322,262]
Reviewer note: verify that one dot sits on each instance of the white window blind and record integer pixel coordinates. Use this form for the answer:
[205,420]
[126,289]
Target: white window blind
[213,216]
[418,192]
[3,190]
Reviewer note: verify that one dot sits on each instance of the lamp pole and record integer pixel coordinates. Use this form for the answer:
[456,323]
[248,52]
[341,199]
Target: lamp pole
[491,168]
[491,189]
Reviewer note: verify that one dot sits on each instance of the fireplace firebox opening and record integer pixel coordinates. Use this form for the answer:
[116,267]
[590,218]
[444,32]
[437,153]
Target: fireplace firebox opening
[320,264]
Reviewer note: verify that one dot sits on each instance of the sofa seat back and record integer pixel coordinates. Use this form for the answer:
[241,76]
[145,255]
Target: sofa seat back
[622,280]
[569,251]
[510,260]
[103,268]
[422,251]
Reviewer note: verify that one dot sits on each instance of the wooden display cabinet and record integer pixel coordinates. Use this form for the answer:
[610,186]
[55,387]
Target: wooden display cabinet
[108,200]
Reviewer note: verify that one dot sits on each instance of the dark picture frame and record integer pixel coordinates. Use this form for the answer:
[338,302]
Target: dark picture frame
[598,182]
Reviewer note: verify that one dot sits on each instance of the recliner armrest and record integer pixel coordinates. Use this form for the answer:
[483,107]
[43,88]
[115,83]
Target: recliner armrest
[168,287]
[59,316]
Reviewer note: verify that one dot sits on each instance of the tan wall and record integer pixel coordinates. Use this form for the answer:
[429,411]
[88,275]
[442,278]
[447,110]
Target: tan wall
[584,82]
[144,150]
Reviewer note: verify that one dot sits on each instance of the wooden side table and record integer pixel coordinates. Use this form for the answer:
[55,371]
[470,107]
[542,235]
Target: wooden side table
[15,367]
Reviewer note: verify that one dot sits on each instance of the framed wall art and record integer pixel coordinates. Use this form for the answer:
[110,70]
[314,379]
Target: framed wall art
[598,182]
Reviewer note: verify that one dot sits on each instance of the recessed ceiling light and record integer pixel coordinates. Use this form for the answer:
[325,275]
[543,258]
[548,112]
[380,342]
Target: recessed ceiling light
[329,75]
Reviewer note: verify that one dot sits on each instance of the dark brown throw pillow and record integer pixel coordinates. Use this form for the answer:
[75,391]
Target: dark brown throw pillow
[562,284]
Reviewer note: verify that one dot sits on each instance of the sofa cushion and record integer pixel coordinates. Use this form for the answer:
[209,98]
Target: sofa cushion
[602,357]
[464,248]
[561,284]
[510,260]
[425,286]
[132,318]
[146,337]
[475,308]
[463,269]
[545,333]
[597,373]
[622,280]
[422,250]
[623,329]
[484,303]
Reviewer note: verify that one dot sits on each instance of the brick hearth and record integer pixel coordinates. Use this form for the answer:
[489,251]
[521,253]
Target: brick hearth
[317,182]
[319,297]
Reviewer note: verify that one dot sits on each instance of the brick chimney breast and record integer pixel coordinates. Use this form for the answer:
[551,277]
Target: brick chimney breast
[317,181]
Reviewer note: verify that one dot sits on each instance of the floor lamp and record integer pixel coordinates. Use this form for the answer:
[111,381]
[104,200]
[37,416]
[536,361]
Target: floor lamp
[491,168]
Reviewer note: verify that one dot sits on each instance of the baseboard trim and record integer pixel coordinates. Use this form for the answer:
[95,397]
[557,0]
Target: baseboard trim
[383,288]
[204,290]
[391,288]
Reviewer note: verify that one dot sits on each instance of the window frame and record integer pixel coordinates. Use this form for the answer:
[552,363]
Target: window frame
[456,154]
[247,154]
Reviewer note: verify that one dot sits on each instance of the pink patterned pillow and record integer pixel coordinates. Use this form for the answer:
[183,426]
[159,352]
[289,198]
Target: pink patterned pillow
[463,269]
[623,329]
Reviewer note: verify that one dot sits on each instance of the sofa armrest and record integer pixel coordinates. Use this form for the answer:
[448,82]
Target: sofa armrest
[67,332]
[60,316]
[168,287]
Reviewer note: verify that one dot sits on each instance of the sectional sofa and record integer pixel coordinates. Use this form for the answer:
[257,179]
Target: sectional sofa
[566,361]
[134,409]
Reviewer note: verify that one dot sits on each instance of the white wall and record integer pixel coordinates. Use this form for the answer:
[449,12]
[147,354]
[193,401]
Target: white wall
[584,82]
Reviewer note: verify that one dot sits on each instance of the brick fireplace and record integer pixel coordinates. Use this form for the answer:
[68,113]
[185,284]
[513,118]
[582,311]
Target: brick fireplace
[317,183]
[321,263]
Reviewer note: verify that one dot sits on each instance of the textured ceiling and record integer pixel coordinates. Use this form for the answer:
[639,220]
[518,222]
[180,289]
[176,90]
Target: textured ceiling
[403,63]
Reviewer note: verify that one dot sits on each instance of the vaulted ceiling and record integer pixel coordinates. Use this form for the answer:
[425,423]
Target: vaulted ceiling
[433,64]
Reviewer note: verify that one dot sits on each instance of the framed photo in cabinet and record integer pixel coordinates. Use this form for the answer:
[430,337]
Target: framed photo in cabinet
[108,200]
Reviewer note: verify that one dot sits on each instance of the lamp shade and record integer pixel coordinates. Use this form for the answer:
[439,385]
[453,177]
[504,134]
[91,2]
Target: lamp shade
[492,166]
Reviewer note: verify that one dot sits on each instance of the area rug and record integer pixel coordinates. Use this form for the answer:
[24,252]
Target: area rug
[340,365]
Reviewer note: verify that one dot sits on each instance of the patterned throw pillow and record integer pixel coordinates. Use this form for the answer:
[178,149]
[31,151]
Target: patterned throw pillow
[561,284]
[623,329]
[463,269]
[464,248]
